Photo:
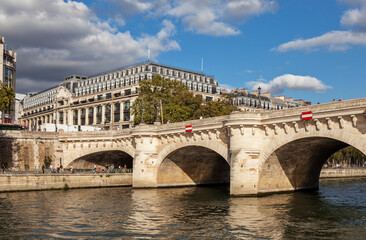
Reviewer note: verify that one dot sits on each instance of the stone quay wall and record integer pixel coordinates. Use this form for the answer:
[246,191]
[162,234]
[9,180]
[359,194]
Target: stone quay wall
[58,181]
[343,172]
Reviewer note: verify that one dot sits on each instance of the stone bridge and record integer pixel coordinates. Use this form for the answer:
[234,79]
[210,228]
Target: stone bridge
[256,152]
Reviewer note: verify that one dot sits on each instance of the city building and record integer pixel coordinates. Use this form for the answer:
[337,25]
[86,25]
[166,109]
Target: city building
[255,100]
[8,59]
[17,107]
[104,100]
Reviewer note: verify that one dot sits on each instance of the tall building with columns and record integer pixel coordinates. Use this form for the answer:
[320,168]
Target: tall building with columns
[104,100]
[8,60]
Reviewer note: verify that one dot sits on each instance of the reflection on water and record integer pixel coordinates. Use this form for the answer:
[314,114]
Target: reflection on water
[337,211]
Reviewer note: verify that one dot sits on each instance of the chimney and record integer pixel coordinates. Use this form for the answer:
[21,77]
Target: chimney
[244,90]
[266,94]
[289,99]
[300,101]
[282,97]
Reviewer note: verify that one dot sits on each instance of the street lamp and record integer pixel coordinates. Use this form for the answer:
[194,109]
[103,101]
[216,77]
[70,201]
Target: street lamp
[157,114]
[259,97]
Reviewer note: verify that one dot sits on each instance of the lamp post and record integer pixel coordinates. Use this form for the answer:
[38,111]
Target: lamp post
[157,114]
[235,101]
[142,115]
[259,97]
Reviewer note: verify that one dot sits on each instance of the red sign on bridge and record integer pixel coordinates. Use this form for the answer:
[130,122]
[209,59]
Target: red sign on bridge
[189,128]
[307,115]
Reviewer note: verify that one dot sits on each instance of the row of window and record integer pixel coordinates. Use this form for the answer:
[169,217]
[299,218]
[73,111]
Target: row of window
[106,86]
[39,99]
[107,115]
[147,68]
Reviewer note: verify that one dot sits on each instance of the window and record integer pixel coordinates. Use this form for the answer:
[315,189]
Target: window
[116,112]
[75,117]
[61,118]
[126,111]
[209,99]
[83,112]
[128,92]
[90,115]
[99,114]
[107,114]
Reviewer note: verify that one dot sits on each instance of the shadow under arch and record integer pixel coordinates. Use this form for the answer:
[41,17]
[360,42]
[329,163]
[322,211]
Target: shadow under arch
[102,158]
[297,164]
[193,165]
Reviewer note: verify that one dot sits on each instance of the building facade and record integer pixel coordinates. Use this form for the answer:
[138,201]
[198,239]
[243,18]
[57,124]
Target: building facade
[255,100]
[8,60]
[104,100]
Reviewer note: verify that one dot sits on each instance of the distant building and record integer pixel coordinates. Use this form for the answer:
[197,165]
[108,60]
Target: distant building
[8,60]
[104,100]
[252,101]
[17,107]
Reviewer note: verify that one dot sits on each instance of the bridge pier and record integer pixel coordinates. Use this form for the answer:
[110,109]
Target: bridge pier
[244,173]
[145,164]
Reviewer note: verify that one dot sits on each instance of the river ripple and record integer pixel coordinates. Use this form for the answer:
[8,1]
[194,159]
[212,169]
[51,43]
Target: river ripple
[336,211]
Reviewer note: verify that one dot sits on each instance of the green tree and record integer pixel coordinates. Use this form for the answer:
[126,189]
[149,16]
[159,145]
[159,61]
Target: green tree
[7,97]
[47,161]
[347,157]
[179,104]
[215,108]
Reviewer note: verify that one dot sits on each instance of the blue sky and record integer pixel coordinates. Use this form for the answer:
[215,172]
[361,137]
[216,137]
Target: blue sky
[308,49]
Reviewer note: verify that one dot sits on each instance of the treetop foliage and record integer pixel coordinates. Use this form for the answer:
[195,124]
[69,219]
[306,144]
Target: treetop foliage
[179,104]
[7,97]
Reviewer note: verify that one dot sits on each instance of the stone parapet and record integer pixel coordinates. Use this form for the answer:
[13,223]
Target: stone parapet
[59,181]
[345,172]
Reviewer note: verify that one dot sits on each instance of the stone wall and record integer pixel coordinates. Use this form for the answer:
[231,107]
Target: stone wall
[24,151]
[339,173]
[58,181]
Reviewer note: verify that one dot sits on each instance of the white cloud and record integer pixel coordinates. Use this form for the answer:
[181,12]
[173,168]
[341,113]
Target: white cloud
[55,38]
[292,82]
[241,9]
[336,40]
[226,87]
[355,17]
[210,17]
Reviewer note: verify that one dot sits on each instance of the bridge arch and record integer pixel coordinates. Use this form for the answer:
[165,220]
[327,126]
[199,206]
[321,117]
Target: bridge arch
[84,156]
[102,158]
[294,162]
[194,163]
[217,146]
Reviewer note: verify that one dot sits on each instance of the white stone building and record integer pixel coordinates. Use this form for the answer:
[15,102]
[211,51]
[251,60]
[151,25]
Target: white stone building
[104,100]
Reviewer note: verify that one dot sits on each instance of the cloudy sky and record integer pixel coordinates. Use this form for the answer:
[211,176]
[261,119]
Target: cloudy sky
[308,49]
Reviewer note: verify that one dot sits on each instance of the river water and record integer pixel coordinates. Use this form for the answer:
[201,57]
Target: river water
[336,211]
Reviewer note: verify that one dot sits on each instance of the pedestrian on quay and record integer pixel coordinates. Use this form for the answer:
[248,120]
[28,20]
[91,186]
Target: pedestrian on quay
[43,167]
[58,168]
[51,168]
[61,168]
[3,167]
[71,169]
